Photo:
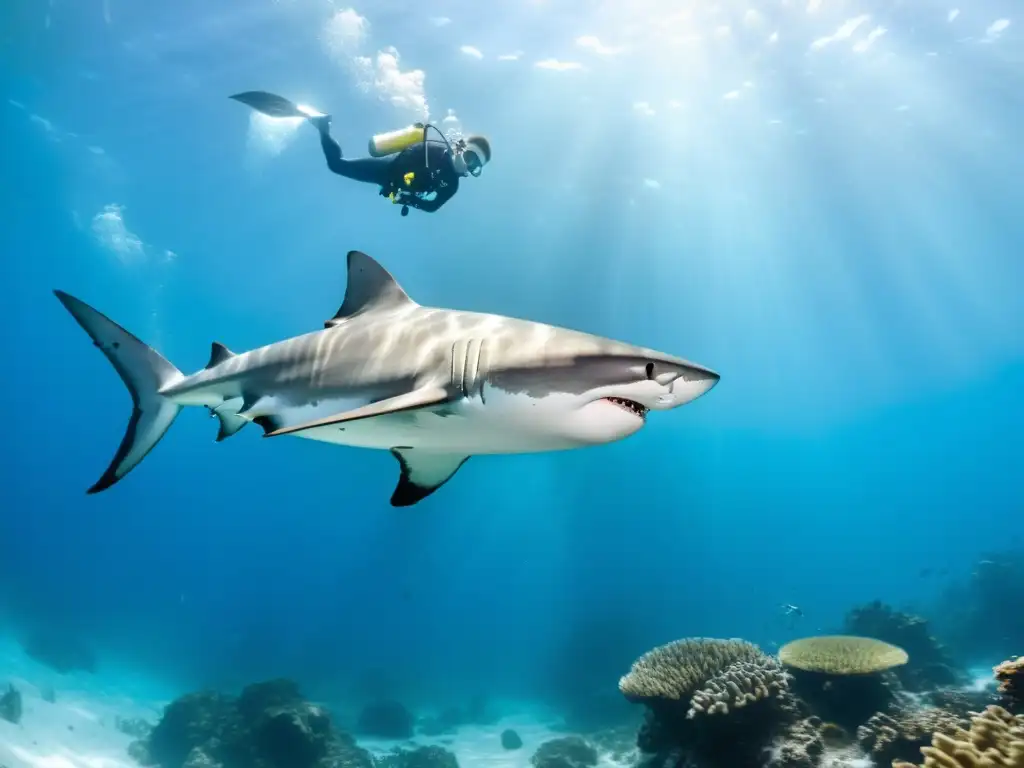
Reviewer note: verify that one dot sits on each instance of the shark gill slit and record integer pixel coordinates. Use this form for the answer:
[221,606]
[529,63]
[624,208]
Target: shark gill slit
[468,367]
[469,377]
[483,361]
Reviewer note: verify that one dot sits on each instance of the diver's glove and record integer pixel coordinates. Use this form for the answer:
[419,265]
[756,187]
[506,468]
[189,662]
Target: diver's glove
[321,122]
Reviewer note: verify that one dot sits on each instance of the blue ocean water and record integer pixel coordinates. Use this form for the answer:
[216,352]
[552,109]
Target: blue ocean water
[821,201]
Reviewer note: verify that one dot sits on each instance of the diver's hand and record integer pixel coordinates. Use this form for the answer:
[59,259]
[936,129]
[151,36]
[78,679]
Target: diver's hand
[321,122]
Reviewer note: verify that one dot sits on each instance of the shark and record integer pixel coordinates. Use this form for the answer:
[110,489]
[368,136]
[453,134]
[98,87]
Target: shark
[432,386]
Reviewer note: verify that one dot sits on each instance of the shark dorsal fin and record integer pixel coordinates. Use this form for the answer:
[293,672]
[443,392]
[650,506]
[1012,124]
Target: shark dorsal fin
[370,288]
[218,354]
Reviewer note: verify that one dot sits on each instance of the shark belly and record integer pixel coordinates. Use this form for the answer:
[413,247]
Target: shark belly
[469,426]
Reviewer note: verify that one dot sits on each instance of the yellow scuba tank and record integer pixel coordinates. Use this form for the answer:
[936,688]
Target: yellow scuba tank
[384,144]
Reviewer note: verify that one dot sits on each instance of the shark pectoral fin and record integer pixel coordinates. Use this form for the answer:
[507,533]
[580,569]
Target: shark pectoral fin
[407,401]
[423,472]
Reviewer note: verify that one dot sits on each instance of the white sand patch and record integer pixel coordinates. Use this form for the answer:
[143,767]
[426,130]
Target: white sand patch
[75,731]
[78,729]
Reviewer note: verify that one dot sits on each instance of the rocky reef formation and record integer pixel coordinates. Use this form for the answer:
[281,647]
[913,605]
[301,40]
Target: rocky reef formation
[61,651]
[10,705]
[511,740]
[930,664]
[995,739]
[1010,675]
[962,702]
[268,726]
[386,720]
[981,618]
[566,752]
[421,757]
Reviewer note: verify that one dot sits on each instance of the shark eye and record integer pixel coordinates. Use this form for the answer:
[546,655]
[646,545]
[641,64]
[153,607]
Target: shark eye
[650,371]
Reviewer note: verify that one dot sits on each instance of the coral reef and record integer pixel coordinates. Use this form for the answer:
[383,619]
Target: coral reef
[618,744]
[1010,675]
[133,726]
[718,700]
[995,740]
[676,670]
[739,684]
[801,745]
[900,737]
[842,655]
[566,752]
[929,665]
[386,720]
[510,739]
[10,705]
[982,618]
[267,726]
[962,702]
[421,757]
[61,651]
[843,678]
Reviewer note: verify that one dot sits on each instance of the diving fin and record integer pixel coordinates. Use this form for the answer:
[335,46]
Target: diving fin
[272,105]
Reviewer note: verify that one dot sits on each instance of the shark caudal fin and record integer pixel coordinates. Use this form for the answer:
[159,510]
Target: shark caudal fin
[145,372]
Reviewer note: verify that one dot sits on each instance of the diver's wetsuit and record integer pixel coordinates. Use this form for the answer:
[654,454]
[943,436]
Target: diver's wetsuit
[433,172]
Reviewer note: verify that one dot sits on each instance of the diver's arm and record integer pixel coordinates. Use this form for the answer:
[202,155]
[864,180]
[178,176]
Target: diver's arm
[429,206]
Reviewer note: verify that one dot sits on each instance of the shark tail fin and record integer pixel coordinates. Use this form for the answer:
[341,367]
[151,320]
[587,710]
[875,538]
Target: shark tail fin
[145,372]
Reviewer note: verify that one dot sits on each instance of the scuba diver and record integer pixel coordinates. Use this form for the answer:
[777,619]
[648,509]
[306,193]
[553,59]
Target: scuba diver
[792,613]
[410,169]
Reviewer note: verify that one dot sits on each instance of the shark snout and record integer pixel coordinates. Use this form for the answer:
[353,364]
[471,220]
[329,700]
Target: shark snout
[695,381]
[691,382]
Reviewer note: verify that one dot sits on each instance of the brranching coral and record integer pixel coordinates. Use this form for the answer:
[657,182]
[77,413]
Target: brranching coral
[675,671]
[739,684]
[702,693]
[1010,675]
[995,740]
[901,736]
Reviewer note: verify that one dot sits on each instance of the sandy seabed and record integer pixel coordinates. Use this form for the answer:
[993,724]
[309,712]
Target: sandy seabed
[79,729]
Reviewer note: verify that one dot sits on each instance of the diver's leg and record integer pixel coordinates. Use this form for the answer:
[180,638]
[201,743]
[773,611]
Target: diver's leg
[372,170]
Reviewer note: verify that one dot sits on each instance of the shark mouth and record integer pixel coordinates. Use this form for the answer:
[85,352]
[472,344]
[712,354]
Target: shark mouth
[629,405]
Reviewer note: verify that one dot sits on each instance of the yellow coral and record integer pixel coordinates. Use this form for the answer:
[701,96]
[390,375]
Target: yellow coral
[995,740]
[1010,675]
[842,655]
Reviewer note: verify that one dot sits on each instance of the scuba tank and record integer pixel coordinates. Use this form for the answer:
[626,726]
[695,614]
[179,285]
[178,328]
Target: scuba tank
[384,144]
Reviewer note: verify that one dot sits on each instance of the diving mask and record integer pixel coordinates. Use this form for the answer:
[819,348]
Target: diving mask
[474,165]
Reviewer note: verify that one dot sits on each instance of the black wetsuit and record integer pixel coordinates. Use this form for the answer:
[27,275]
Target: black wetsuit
[433,172]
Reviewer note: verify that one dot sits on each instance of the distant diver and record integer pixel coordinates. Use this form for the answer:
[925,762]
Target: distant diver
[411,170]
[792,613]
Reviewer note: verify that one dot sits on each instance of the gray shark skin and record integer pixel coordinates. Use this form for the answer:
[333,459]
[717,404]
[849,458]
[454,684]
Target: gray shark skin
[433,386]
